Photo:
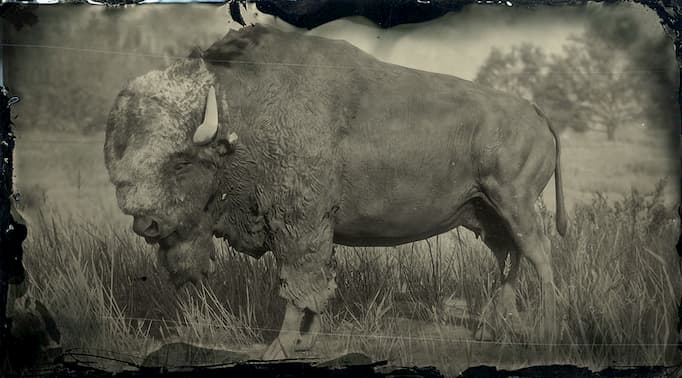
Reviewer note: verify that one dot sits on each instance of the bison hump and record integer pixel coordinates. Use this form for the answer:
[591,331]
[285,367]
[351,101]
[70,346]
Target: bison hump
[259,43]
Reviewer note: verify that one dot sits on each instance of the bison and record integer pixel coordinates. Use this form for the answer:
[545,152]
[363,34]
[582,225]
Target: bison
[290,144]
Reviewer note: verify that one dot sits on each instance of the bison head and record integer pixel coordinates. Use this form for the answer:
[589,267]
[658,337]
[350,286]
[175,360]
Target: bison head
[163,151]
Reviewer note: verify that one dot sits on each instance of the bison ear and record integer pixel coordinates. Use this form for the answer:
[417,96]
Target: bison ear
[227,145]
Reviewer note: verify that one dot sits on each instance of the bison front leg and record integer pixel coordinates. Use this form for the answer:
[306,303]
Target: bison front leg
[310,328]
[307,283]
[289,335]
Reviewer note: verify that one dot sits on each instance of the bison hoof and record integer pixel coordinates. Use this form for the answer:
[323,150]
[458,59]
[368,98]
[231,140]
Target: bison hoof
[276,351]
[304,344]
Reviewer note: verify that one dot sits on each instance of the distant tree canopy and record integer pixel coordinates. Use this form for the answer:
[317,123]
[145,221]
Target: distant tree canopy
[613,74]
[521,71]
[592,82]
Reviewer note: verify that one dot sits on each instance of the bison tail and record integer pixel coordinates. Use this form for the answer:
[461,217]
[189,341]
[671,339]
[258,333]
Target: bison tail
[561,218]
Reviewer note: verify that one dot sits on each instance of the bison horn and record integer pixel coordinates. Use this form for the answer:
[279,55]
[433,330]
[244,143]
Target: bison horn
[209,128]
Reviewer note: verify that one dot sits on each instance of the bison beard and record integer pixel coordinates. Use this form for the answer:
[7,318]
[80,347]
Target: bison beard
[188,260]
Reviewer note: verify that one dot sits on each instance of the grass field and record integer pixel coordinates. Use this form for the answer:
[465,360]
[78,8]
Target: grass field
[617,273]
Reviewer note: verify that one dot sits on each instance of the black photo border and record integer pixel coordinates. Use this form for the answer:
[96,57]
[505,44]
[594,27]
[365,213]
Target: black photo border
[304,14]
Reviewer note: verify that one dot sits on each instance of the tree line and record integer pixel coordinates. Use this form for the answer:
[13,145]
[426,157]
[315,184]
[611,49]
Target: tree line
[617,72]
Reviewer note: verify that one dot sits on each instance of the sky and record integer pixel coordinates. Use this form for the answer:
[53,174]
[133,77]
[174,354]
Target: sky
[458,43]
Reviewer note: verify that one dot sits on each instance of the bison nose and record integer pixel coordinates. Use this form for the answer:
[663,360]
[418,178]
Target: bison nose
[145,226]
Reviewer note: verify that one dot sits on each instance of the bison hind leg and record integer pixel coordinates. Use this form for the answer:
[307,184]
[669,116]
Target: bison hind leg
[516,209]
[492,229]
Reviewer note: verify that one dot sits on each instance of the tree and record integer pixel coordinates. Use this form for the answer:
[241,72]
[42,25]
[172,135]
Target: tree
[651,57]
[621,69]
[585,88]
[521,71]
[589,87]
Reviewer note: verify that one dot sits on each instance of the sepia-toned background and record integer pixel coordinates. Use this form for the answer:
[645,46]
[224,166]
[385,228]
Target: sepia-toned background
[605,75]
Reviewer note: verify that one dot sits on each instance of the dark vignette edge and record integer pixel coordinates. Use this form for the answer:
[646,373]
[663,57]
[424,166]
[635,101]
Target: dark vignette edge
[305,14]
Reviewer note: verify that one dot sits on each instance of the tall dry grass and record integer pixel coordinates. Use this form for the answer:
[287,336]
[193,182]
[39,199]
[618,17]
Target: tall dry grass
[617,280]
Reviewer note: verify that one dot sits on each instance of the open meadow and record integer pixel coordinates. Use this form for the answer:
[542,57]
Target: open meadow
[617,273]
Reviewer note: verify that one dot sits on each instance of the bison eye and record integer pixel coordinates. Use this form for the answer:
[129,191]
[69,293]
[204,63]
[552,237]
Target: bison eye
[182,166]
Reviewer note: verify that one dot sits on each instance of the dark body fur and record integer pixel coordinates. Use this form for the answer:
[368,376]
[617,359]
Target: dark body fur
[399,151]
